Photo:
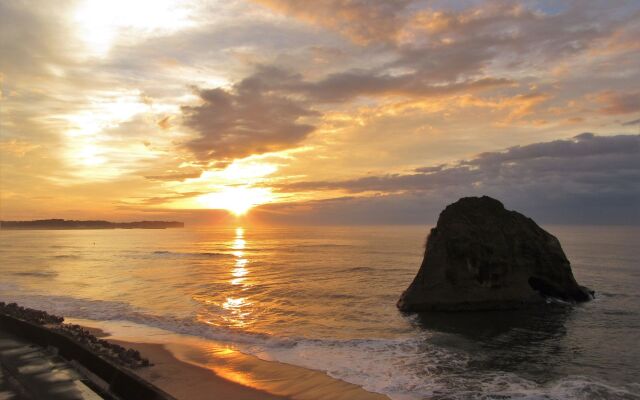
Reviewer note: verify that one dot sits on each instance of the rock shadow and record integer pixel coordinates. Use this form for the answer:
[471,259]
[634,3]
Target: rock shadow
[529,342]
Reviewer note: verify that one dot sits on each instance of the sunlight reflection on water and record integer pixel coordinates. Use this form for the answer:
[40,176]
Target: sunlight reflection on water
[238,307]
[332,292]
[235,310]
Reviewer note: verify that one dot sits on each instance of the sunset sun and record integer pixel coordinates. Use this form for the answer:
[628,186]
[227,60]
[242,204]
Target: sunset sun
[237,200]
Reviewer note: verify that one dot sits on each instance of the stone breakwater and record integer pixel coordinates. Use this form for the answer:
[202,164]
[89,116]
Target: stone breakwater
[126,357]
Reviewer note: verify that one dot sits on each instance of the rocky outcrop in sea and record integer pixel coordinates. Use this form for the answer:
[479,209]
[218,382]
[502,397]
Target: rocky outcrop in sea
[481,256]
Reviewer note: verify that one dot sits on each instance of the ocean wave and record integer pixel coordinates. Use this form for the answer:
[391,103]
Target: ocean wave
[357,269]
[66,256]
[507,386]
[611,295]
[512,387]
[360,361]
[103,310]
[409,367]
[381,270]
[37,274]
[6,287]
[172,254]
[323,245]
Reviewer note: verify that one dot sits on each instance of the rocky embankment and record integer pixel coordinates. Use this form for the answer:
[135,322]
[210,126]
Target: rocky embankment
[126,357]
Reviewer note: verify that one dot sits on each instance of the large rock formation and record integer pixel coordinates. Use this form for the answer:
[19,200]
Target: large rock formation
[481,256]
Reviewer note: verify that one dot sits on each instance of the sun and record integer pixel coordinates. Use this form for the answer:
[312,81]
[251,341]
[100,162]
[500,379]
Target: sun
[237,200]
[101,23]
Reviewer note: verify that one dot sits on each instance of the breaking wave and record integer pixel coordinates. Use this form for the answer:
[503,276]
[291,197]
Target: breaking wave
[403,368]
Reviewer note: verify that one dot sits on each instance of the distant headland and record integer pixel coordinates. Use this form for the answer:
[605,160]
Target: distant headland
[72,224]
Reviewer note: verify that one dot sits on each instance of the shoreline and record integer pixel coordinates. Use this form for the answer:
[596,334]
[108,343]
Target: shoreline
[132,361]
[184,380]
[186,366]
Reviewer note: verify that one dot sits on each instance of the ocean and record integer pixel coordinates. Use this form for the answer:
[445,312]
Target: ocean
[324,298]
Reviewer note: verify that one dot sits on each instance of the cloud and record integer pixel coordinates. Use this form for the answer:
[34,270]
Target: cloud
[445,44]
[616,103]
[587,172]
[364,21]
[16,147]
[165,122]
[582,158]
[273,109]
[583,145]
[397,83]
[161,200]
[246,120]
[420,50]
[349,210]
[176,175]
[346,86]
[33,38]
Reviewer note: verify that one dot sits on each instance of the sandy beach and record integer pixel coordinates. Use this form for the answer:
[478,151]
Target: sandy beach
[192,368]
[188,381]
[182,366]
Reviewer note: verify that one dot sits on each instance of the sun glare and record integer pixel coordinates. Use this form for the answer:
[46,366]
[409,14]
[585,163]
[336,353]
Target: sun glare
[237,200]
[100,22]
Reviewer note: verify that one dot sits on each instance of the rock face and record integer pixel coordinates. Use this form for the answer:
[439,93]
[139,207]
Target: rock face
[481,256]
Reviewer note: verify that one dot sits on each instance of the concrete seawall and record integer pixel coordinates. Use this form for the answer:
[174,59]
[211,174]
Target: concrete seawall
[104,377]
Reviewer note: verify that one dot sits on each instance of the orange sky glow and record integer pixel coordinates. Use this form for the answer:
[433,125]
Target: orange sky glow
[278,110]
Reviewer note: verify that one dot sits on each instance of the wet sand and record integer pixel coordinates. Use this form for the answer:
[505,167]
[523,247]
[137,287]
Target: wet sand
[188,381]
[192,368]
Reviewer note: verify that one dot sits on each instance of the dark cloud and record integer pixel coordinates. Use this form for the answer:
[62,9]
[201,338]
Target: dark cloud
[348,85]
[429,170]
[248,119]
[585,158]
[598,174]
[583,145]
[633,122]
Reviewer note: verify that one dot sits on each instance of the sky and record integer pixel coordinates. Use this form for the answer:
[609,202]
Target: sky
[322,112]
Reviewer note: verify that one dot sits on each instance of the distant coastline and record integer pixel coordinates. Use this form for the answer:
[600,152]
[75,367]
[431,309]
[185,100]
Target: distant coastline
[72,224]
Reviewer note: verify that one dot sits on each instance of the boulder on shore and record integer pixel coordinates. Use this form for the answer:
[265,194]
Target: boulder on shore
[481,256]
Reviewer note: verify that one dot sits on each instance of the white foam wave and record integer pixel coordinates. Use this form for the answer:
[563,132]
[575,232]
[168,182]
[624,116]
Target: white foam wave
[404,368]
[120,311]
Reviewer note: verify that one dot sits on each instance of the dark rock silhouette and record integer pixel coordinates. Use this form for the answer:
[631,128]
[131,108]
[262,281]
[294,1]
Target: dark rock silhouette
[481,256]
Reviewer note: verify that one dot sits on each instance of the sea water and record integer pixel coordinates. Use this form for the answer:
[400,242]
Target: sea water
[324,298]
